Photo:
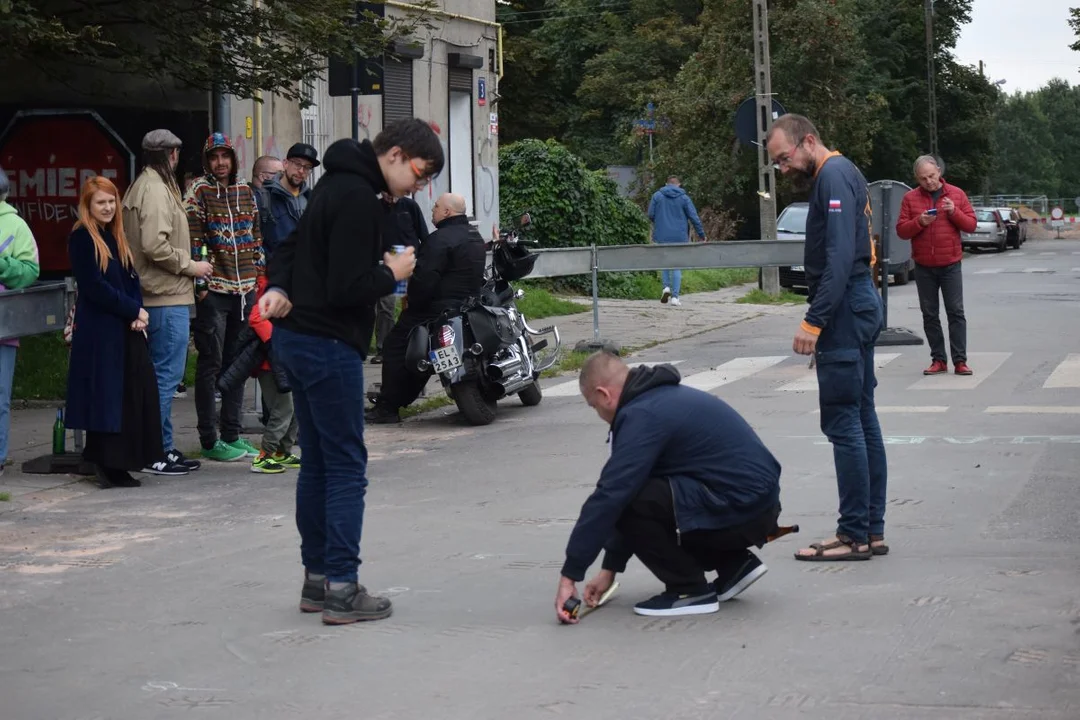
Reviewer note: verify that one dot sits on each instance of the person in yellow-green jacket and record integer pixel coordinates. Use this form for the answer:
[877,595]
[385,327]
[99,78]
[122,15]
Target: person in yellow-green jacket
[19,267]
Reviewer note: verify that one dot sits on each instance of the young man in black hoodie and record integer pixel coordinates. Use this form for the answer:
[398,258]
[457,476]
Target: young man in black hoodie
[324,281]
[689,488]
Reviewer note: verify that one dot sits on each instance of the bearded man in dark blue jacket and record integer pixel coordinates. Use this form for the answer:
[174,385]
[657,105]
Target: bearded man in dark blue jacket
[688,489]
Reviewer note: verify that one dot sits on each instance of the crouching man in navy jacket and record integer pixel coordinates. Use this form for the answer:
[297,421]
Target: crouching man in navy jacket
[688,489]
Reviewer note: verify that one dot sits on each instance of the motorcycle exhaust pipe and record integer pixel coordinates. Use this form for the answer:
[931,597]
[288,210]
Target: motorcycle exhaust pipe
[504,368]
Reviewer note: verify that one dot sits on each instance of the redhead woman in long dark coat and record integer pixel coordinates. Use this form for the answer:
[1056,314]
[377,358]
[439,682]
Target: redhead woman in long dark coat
[112,390]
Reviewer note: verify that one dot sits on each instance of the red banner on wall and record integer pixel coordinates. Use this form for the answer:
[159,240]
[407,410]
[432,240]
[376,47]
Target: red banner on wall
[47,157]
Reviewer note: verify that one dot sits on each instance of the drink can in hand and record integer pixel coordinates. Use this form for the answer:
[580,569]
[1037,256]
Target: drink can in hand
[402,286]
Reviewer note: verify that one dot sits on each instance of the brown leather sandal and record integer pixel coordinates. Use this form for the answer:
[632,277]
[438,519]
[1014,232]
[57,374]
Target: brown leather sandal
[881,549]
[840,541]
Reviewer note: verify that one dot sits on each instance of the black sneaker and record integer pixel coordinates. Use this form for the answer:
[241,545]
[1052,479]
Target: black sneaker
[379,415]
[165,467]
[177,458]
[747,574]
[353,604]
[672,604]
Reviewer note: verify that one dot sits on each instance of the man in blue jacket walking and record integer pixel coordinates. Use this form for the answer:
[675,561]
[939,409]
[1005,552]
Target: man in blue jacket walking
[669,210]
[689,488]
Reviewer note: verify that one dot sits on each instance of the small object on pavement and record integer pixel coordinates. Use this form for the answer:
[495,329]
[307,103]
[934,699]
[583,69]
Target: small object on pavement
[572,607]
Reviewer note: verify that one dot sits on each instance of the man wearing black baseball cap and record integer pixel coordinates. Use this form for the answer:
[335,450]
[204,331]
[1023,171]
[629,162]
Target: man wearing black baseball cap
[283,199]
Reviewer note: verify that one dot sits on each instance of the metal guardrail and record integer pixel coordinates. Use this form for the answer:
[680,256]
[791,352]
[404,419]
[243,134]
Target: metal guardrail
[560,262]
[40,308]
[595,259]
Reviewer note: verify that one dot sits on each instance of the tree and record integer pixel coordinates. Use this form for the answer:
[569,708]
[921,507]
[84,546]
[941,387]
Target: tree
[238,46]
[1061,106]
[1027,162]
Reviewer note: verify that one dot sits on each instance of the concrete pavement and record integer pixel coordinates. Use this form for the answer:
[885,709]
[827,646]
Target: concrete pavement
[179,597]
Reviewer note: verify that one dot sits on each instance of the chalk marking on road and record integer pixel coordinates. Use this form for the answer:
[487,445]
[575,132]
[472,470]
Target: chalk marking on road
[731,371]
[971,440]
[1066,374]
[983,363]
[570,388]
[989,271]
[808,382]
[905,409]
[1033,410]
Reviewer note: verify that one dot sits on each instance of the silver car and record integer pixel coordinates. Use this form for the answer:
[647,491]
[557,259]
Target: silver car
[989,232]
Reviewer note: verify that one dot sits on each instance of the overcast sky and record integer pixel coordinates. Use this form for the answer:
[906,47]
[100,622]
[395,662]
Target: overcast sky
[1024,42]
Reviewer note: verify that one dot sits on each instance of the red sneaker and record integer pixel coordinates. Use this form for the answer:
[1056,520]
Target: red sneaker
[936,368]
[963,369]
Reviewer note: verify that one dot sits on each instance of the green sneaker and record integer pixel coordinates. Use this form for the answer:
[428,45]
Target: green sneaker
[289,461]
[241,444]
[266,465]
[223,452]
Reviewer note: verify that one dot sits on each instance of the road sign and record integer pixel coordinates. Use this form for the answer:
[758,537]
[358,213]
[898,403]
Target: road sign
[1077,201]
[1057,213]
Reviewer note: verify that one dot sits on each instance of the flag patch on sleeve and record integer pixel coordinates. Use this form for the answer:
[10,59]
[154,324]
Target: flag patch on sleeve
[834,206]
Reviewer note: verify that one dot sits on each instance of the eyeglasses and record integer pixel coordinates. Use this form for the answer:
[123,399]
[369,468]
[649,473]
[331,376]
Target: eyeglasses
[422,178]
[303,167]
[786,158]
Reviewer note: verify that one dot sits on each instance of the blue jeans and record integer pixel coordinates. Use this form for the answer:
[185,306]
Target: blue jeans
[7,378]
[327,378]
[846,382]
[672,279]
[168,333]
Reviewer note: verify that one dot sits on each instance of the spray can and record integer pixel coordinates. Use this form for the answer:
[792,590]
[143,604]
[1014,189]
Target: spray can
[402,286]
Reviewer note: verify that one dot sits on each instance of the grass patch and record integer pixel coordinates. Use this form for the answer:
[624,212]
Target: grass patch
[647,285]
[540,303]
[760,297]
[427,405]
[41,367]
[5,497]
[570,361]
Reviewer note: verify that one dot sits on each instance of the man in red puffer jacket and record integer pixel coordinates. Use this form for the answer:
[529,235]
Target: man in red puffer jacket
[932,216]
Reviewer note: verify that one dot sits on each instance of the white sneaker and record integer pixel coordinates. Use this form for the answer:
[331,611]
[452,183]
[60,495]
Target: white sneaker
[666,295]
[675,301]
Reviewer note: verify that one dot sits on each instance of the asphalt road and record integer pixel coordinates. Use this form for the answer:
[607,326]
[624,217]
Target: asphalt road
[179,599]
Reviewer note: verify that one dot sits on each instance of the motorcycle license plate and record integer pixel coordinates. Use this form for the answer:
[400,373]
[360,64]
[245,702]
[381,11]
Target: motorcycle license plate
[445,359]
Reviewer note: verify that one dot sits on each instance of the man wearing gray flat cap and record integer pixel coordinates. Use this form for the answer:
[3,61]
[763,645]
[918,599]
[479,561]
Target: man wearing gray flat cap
[157,230]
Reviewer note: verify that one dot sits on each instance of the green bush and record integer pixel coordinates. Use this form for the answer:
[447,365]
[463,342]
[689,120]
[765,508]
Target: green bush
[41,366]
[571,206]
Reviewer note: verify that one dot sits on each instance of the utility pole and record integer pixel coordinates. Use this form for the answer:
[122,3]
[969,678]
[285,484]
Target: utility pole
[770,276]
[932,124]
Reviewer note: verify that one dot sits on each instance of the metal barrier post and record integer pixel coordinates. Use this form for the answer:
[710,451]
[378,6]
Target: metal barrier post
[595,297]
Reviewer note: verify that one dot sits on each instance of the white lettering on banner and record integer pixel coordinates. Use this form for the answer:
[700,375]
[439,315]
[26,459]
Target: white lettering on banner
[46,211]
[64,182]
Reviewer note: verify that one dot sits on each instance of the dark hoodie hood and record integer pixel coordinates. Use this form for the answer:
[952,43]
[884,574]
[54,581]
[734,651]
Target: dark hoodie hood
[672,191]
[643,379]
[355,158]
[215,141]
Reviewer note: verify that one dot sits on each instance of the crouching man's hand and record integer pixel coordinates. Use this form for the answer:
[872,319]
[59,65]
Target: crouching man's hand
[599,585]
[567,590]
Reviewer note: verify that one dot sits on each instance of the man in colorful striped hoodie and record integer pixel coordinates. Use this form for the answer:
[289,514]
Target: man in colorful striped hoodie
[224,223]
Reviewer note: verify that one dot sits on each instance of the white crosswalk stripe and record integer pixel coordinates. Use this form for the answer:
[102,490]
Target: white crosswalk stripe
[808,382]
[731,371]
[1037,270]
[785,374]
[989,271]
[1066,374]
[1048,253]
[983,363]
[570,388]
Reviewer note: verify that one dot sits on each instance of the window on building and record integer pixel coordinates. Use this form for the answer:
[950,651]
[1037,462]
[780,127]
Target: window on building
[461,136]
[397,90]
[316,119]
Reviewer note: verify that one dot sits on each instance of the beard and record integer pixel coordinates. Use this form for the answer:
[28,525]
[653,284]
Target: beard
[802,179]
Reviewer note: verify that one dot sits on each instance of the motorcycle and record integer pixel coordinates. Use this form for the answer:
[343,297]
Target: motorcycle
[485,350]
